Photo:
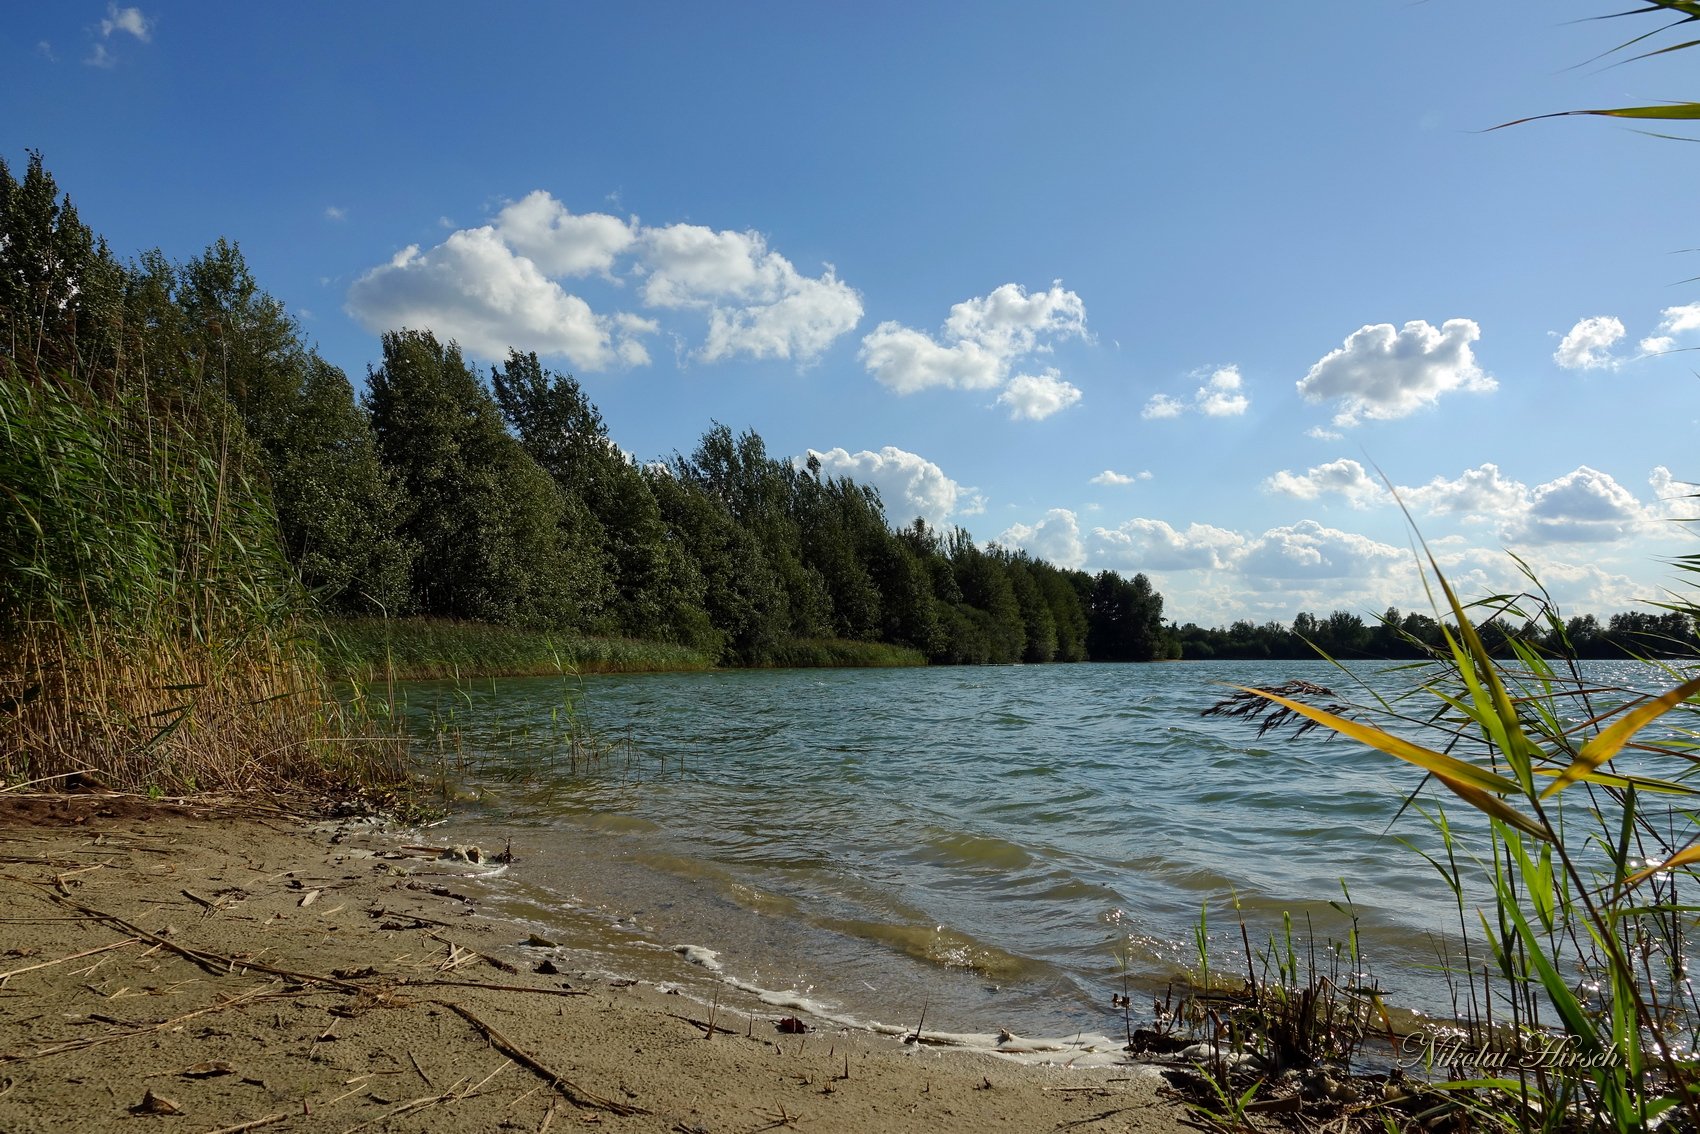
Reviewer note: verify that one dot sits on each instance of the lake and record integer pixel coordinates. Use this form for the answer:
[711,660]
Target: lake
[997,847]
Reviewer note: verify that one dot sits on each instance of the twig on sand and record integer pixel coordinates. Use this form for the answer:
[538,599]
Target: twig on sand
[574,1094]
[244,1127]
[414,1059]
[72,957]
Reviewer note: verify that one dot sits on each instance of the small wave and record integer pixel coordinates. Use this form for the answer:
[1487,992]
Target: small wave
[700,955]
[938,945]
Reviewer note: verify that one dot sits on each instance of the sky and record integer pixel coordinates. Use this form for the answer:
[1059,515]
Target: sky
[1202,290]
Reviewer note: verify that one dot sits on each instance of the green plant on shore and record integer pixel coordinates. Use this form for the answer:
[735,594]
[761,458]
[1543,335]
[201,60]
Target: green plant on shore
[155,639]
[1583,1017]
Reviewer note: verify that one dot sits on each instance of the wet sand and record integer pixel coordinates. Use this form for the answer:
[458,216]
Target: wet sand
[233,969]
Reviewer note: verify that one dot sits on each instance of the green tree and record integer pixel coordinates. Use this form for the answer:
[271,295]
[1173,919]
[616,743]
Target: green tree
[495,536]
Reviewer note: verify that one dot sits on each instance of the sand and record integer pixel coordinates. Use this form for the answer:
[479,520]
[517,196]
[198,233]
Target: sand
[230,969]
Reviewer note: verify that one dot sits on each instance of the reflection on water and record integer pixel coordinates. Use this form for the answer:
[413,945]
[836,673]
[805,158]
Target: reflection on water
[1001,844]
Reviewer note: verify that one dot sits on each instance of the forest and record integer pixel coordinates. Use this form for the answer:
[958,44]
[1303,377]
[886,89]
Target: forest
[448,493]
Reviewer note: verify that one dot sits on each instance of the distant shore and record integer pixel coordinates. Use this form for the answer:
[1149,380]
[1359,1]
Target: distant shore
[246,971]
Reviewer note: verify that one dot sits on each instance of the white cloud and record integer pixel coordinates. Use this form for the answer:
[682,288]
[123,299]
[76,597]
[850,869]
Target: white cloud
[1382,373]
[1584,506]
[1220,396]
[1482,493]
[1161,407]
[758,303]
[1055,538]
[1676,499]
[560,242]
[981,341]
[1588,344]
[1111,477]
[473,288]
[128,20]
[1308,550]
[45,49]
[1318,433]
[1153,545]
[1035,397]
[1679,319]
[498,286]
[100,57]
[909,484]
[1344,477]
[335,213]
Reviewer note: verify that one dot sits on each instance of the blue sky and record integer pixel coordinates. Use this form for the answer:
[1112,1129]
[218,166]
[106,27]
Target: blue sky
[1142,287]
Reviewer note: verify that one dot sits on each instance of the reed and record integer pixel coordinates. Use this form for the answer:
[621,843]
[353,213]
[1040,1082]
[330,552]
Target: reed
[1576,1009]
[419,648]
[154,639]
[839,653]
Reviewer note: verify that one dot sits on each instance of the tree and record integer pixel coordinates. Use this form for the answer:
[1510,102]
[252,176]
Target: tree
[60,289]
[1125,619]
[496,539]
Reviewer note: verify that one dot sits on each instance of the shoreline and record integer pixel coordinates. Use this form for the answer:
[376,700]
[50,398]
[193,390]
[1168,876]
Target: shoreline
[245,971]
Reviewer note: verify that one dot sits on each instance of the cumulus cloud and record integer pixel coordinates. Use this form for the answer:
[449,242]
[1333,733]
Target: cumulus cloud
[118,21]
[1584,506]
[1679,319]
[1588,344]
[1676,499]
[1113,478]
[1220,395]
[980,343]
[1154,545]
[758,303]
[559,241]
[1035,397]
[1383,373]
[1674,321]
[1345,477]
[499,286]
[1162,407]
[1482,493]
[1056,537]
[128,20]
[909,484]
[1309,550]
[474,288]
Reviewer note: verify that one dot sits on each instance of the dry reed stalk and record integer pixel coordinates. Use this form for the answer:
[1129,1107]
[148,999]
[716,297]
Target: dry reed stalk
[574,1094]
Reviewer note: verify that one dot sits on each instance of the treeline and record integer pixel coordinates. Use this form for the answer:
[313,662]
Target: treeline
[1397,636]
[499,498]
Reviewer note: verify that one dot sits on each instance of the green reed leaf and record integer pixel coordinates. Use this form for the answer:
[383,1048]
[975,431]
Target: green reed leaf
[1608,742]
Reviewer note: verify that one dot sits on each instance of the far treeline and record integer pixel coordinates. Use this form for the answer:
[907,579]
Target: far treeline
[445,493]
[1636,634]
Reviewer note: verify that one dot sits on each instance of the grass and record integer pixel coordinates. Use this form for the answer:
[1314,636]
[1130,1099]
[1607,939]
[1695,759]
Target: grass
[420,648]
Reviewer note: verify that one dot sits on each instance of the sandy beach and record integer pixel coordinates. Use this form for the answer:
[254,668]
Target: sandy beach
[236,969]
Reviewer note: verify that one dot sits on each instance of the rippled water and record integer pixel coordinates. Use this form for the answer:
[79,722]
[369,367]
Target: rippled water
[998,845]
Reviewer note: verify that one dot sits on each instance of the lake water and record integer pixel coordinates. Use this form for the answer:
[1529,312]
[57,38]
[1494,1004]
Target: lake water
[996,847]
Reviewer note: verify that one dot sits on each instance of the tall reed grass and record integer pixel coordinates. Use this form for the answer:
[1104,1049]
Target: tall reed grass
[414,648]
[152,636]
[1577,1010]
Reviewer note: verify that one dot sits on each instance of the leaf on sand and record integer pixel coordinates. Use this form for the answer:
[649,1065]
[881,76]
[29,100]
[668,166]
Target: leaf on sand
[210,1069]
[156,1104]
